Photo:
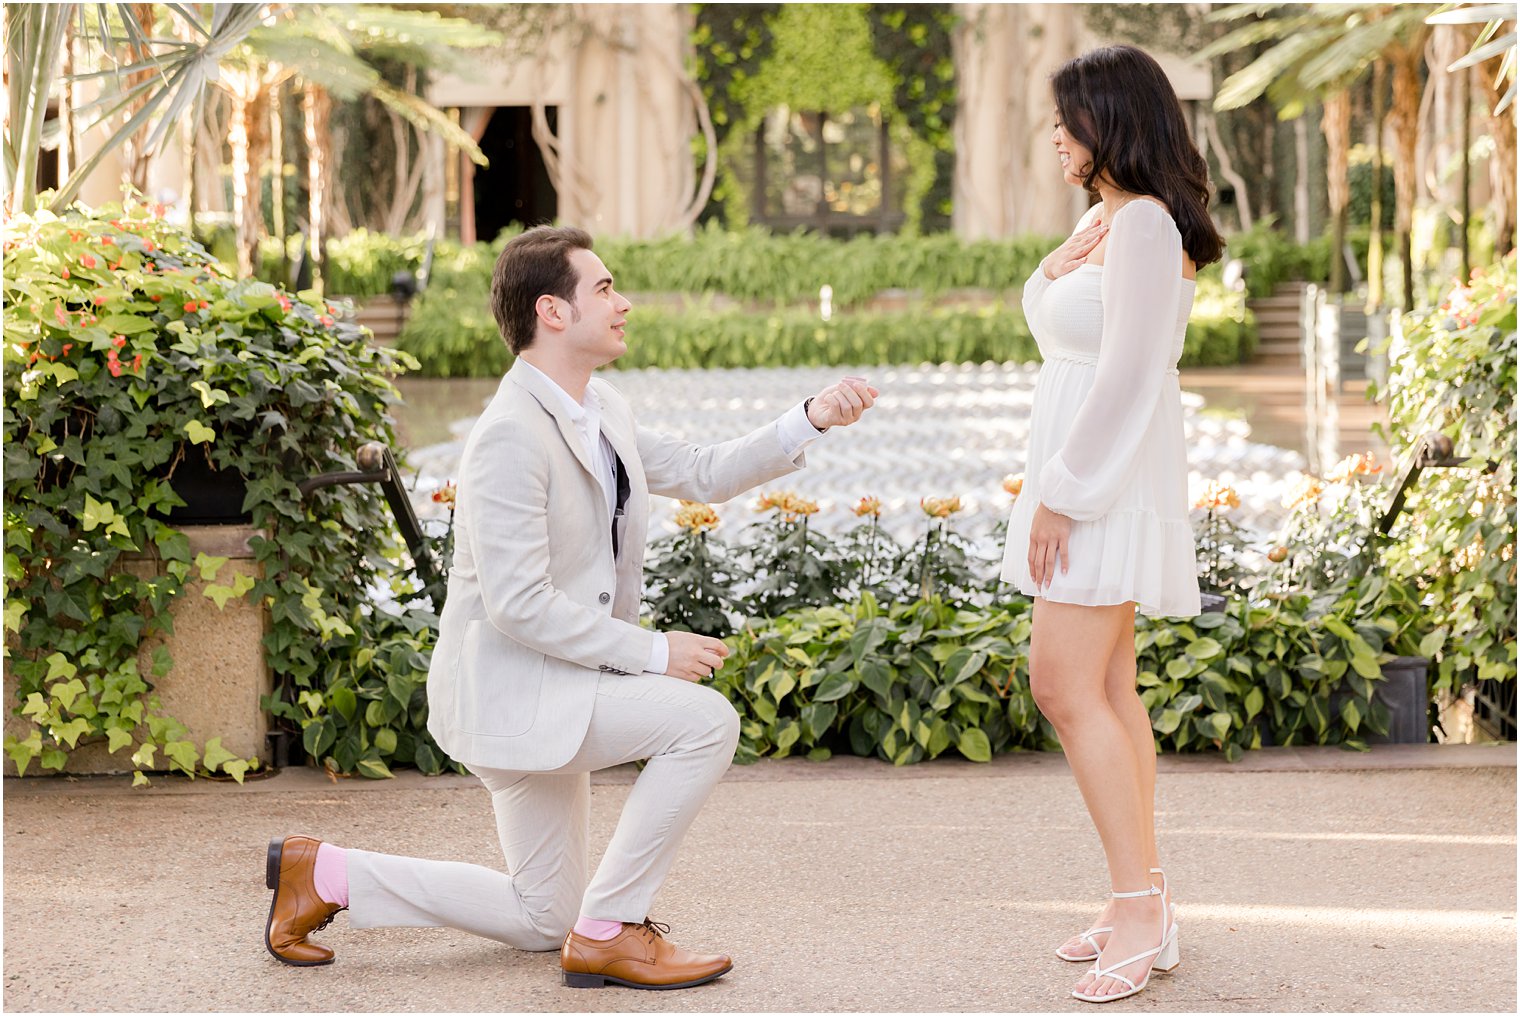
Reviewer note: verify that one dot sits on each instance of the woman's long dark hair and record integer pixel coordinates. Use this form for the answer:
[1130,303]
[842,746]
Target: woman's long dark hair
[1117,102]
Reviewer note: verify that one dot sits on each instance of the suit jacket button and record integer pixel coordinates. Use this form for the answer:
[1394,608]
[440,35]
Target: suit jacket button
[605,598]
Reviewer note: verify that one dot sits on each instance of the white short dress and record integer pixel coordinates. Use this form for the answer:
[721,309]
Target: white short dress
[1106,445]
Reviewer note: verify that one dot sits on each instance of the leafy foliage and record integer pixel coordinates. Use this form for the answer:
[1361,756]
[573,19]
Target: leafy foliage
[129,358]
[1457,375]
[912,680]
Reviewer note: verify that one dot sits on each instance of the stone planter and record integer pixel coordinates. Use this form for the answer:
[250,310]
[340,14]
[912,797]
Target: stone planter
[219,670]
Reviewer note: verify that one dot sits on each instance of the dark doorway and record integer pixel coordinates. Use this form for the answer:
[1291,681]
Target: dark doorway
[515,187]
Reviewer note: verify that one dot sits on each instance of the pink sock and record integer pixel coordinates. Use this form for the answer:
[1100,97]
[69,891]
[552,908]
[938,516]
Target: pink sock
[330,874]
[590,927]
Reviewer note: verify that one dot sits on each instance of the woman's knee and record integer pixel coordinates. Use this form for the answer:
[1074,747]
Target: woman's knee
[1052,687]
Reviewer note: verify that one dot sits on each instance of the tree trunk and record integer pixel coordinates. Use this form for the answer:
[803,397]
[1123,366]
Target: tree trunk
[1375,239]
[1336,125]
[1502,162]
[1466,210]
[277,180]
[316,104]
[1406,126]
[249,138]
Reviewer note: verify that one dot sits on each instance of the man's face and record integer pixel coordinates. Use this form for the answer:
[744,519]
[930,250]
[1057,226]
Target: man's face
[594,325]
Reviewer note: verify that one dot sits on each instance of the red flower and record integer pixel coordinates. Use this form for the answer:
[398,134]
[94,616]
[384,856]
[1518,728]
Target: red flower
[149,246]
[326,320]
[100,299]
[65,273]
[87,260]
[155,298]
[205,304]
[60,316]
[109,240]
[114,368]
[67,348]
[284,301]
[158,210]
[190,306]
[119,341]
[137,363]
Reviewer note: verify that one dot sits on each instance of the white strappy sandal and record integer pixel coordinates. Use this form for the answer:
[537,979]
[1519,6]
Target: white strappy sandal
[1088,936]
[1166,956]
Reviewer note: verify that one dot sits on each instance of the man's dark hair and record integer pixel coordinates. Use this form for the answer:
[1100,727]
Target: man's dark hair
[533,264]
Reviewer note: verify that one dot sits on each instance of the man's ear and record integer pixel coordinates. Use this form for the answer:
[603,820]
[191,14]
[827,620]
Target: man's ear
[547,309]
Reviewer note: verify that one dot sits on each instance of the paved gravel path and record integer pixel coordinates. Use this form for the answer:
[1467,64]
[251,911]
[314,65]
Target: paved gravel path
[937,431]
[1306,880]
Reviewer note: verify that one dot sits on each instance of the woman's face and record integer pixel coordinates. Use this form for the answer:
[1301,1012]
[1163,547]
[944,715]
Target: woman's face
[1075,159]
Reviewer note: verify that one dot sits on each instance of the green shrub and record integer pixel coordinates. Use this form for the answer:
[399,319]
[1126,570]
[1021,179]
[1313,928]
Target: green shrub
[1458,534]
[130,355]
[912,680]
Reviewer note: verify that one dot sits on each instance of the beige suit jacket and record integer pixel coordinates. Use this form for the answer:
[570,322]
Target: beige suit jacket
[539,609]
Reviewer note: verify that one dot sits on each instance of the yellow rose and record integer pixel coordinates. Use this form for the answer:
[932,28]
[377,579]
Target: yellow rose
[1014,484]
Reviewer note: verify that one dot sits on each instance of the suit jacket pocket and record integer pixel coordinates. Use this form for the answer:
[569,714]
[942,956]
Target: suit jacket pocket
[500,681]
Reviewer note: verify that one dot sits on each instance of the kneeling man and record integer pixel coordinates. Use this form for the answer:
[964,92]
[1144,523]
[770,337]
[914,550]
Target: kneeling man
[541,673]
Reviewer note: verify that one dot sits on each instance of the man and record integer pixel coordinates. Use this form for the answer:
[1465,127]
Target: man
[542,673]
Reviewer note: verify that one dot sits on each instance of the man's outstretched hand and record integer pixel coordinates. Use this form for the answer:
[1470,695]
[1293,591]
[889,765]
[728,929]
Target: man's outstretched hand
[842,403]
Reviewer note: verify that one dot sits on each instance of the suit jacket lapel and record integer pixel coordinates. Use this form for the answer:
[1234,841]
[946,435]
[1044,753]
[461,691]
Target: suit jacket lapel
[534,385]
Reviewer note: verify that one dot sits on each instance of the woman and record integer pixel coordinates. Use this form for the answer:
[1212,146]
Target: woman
[1101,526]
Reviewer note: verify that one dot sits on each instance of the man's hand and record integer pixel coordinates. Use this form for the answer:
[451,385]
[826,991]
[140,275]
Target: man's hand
[1049,540]
[841,404]
[693,657]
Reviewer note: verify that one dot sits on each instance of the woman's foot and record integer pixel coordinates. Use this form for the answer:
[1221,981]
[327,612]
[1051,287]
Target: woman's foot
[1142,927]
[1084,947]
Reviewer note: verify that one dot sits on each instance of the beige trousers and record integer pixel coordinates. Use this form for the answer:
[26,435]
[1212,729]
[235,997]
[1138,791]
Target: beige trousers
[687,731]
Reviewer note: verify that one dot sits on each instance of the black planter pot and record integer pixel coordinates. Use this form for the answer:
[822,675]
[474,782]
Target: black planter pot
[1405,692]
[213,497]
[1213,603]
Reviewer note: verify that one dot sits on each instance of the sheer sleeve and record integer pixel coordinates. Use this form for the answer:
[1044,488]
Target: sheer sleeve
[1142,284]
[1038,282]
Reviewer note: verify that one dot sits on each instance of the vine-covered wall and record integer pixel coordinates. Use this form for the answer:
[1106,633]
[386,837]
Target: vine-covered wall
[749,59]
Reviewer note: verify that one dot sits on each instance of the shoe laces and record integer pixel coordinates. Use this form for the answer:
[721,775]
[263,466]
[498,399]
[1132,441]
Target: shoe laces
[328,919]
[655,928]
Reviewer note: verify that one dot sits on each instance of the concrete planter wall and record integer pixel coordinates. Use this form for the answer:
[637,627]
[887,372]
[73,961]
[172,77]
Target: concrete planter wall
[219,670]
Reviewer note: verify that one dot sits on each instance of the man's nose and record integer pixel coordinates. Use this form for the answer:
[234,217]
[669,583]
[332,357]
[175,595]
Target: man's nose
[626,304]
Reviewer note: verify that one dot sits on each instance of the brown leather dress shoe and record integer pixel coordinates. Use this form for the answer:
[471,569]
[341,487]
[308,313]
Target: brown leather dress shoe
[639,956]
[296,910]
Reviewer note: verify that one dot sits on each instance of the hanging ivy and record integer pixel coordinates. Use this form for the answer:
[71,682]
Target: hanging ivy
[751,58]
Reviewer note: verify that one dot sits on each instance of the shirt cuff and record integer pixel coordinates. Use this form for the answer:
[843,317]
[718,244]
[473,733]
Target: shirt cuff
[796,431]
[659,655]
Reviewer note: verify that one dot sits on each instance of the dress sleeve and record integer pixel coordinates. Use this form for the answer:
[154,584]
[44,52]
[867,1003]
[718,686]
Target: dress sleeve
[1142,284]
[1037,283]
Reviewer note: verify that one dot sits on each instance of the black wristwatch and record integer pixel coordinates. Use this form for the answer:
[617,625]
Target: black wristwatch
[807,404]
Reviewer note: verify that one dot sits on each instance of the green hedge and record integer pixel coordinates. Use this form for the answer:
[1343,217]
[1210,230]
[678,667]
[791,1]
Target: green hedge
[454,336]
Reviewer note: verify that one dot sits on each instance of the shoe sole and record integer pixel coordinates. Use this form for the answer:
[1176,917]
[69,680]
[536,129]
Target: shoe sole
[602,980]
[272,880]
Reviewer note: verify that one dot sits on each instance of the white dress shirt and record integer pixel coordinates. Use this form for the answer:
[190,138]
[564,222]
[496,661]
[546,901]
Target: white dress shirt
[793,429]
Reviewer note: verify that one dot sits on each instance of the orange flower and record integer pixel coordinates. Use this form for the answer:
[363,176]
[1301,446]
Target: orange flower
[695,516]
[869,506]
[1308,490]
[1014,484]
[447,494]
[940,507]
[1217,497]
[1352,466]
[87,260]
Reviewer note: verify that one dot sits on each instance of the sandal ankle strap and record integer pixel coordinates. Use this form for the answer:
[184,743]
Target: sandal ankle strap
[1152,891]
